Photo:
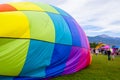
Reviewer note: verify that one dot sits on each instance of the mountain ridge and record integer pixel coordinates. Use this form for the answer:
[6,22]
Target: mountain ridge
[105,39]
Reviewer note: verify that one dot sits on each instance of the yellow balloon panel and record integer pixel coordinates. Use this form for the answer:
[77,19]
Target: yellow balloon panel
[14,24]
[26,6]
[13,54]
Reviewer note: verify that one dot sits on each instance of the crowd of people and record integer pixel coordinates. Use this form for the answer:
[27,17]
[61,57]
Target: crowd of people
[111,52]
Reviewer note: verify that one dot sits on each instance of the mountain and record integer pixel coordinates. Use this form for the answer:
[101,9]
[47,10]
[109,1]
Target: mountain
[104,36]
[105,39]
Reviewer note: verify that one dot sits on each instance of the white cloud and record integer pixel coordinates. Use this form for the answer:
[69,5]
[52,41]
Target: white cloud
[99,13]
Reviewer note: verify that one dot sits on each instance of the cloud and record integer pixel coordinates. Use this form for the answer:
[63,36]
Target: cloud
[102,16]
[116,23]
[94,16]
[6,1]
[93,28]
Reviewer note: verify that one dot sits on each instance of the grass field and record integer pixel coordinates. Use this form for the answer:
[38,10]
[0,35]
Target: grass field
[100,69]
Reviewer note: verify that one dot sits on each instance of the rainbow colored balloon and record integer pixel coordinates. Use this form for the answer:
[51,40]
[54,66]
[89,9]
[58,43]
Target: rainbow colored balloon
[40,41]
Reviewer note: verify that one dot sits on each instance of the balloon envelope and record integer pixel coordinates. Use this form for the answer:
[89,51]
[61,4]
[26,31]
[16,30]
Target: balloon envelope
[40,41]
[106,47]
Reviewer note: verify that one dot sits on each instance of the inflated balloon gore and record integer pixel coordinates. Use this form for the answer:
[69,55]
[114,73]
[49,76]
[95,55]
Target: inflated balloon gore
[40,41]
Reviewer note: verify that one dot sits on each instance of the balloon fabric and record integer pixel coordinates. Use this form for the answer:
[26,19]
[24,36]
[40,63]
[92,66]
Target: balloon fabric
[40,41]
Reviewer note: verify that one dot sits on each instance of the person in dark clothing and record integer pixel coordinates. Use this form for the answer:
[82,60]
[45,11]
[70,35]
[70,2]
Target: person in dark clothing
[94,50]
[109,53]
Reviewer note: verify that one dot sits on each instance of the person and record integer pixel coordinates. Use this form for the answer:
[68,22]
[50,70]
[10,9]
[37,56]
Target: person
[96,52]
[109,53]
[113,56]
[93,50]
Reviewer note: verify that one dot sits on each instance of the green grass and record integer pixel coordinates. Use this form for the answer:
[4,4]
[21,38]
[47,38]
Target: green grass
[100,69]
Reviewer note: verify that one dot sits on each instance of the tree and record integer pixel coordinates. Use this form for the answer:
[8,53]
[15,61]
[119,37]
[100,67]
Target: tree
[93,45]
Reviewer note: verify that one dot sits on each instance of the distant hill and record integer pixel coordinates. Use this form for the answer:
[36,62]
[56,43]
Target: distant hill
[105,39]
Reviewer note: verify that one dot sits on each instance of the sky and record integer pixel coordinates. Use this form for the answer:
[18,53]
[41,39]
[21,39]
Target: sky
[96,17]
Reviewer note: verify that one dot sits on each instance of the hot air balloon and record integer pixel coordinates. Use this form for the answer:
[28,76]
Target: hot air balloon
[40,41]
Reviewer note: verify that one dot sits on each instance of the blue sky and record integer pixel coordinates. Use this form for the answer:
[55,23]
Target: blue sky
[96,17]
